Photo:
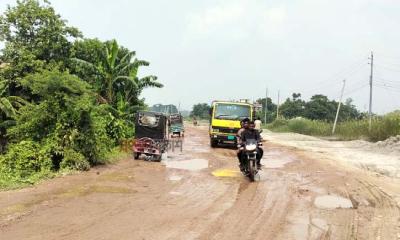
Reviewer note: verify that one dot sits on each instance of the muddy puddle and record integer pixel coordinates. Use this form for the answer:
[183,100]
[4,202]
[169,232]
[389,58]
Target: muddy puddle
[332,202]
[275,159]
[191,165]
[175,178]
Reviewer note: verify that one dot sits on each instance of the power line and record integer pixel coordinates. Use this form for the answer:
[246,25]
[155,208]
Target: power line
[355,89]
[384,79]
[333,81]
[388,88]
[388,68]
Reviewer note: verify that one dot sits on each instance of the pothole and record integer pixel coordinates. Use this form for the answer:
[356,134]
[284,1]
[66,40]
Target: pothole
[191,165]
[332,202]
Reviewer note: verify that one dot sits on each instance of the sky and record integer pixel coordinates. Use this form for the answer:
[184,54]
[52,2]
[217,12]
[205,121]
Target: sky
[222,50]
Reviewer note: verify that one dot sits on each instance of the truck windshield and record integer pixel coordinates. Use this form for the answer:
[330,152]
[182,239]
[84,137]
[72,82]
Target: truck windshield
[231,111]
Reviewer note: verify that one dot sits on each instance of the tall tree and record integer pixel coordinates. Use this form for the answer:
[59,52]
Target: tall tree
[201,110]
[117,71]
[35,37]
[293,107]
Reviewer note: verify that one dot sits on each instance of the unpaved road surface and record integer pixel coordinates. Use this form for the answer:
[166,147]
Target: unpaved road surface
[199,194]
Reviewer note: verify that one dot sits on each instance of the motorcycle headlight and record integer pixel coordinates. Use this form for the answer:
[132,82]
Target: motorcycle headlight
[251,147]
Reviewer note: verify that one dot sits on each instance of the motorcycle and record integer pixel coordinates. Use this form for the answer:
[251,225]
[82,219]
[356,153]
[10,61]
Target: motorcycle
[249,150]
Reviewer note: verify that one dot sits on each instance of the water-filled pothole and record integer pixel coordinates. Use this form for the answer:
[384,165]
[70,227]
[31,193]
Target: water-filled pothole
[332,202]
[191,165]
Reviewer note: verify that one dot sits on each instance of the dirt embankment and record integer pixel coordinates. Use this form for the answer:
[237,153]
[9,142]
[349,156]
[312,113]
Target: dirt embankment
[381,157]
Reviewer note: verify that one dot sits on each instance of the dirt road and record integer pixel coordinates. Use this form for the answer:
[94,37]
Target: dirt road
[199,194]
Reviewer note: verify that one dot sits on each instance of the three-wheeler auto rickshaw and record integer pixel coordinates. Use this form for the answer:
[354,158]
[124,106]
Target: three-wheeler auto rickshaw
[176,128]
[151,135]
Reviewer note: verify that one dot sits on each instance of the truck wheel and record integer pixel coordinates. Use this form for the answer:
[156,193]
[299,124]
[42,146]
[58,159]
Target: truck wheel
[213,143]
[136,155]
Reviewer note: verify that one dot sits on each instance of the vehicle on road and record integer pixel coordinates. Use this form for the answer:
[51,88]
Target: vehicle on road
[249,161]
[176,127]
[225,121]
[151,135]
[175,119]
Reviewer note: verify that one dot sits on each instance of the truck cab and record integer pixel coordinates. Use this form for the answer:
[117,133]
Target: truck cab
[225,120]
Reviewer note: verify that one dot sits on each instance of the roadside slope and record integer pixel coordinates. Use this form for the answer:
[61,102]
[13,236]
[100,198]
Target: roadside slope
[372,157]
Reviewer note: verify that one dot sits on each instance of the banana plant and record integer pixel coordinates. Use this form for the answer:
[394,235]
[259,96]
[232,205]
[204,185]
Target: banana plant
[119,74]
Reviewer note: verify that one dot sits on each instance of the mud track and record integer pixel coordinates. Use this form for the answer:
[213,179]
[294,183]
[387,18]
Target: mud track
[199,194]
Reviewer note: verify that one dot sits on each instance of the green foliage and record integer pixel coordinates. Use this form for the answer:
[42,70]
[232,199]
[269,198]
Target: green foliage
[271,111]
[309,127]
[201,110]
[35,37]
[320,108]
[116,70]
[73,160]
[65,103]
[382,127]
[294,107]
[279,125]
[25,159]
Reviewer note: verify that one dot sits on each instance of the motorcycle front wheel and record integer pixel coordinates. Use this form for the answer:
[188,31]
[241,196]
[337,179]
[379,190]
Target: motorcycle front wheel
[252,170]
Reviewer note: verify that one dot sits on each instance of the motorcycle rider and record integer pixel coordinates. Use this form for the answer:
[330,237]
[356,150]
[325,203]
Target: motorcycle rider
[252,133]
[244,125]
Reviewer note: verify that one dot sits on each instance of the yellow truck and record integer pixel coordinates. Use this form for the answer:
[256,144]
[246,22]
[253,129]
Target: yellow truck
[225,120]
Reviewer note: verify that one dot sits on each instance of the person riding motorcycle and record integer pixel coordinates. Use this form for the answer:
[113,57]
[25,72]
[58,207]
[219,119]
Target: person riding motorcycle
[244,125]
[251,133]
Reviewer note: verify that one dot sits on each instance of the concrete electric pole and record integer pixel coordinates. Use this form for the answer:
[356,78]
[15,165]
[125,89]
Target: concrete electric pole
[266,106]
[338,108]
[277,106]
[370,90]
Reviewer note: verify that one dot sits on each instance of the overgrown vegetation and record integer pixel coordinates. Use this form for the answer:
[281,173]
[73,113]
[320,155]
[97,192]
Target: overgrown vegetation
[383,127]
[319,107]
[65,101]
[201,111]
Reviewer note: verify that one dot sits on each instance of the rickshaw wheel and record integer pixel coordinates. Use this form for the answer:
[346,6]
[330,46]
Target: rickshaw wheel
[158,158]
[136,155]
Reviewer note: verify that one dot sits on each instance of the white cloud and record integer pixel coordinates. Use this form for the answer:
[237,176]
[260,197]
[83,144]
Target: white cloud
[216,17]
[273,21]
[238,20]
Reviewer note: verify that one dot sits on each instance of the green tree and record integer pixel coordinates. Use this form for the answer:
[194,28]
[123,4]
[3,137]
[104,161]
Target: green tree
[293,107]
[117,71]
[201,110]
[62,117]
[271,111]
[348,111]
[320,108]
[35,37]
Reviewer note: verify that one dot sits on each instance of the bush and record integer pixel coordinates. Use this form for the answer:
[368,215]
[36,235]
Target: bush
[73,160]
[24,160]
[309,127]
[280,125]
[382,127]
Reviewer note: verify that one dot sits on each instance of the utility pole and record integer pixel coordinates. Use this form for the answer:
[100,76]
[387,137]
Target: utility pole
[277,106]
[266,106]
[338,108]
[370,90]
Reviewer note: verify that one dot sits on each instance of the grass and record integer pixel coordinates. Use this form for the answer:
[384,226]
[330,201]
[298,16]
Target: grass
[9,181]
[383,127]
